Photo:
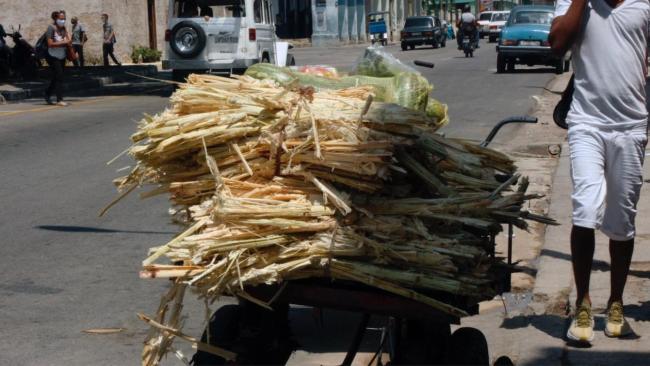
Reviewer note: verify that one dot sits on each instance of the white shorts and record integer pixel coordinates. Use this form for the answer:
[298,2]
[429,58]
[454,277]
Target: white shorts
[607,173]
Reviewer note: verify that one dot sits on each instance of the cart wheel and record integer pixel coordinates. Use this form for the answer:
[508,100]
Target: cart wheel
[418,342]
[257,335]
[468,346]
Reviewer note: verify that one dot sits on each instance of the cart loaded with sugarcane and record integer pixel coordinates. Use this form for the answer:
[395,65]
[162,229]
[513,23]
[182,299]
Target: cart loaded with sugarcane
[332,192]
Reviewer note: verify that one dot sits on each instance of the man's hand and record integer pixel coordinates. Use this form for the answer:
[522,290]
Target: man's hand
[565,28]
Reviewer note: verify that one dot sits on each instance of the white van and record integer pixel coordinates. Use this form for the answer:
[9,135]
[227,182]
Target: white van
[220,36]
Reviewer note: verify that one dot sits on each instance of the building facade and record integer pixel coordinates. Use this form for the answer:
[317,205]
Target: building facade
[130,19]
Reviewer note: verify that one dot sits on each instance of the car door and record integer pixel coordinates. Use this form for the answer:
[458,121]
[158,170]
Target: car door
[265,29]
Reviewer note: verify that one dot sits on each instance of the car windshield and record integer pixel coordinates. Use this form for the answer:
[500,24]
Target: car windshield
[532,17]
[499,17]
[212,8]
[485,16]
[418,22]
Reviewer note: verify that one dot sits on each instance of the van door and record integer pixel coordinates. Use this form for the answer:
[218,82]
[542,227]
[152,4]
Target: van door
[223,27]
[265,29]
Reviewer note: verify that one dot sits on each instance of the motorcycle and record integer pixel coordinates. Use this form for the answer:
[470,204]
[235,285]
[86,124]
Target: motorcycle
[468,46]
[24,62]
[5,56]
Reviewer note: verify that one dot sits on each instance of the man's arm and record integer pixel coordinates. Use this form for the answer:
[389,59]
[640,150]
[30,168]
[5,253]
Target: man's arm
[565,27]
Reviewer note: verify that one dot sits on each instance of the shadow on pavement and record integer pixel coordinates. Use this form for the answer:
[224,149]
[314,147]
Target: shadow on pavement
[547,356]
[553,325]
[597,265]
[97,230]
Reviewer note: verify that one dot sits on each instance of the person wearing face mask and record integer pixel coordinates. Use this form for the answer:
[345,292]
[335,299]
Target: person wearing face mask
[57,42]
[109,41]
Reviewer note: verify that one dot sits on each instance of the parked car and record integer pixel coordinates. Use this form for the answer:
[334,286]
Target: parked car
[423,30]
[498,20]
[484,23]
[524,40]
[220,36]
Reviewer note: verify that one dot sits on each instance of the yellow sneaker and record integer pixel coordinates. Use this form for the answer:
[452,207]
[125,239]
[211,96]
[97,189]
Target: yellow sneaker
[582,326]
[616,326]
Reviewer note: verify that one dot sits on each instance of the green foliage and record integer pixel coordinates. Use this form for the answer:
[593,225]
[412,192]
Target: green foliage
[144,54]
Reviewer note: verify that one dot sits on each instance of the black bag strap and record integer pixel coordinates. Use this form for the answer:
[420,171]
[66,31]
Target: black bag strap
[562,108]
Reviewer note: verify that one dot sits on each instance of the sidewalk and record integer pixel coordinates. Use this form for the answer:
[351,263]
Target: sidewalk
[90,81]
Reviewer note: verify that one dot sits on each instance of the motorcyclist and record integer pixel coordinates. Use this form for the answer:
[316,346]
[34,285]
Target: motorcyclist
[467,25]
[5,55]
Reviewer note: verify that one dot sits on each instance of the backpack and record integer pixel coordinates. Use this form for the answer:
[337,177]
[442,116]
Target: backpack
[41,47]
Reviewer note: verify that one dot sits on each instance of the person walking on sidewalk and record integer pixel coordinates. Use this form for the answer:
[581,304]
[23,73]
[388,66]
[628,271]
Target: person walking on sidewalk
[57,42]
[109,41]
[607,138]
[79,39]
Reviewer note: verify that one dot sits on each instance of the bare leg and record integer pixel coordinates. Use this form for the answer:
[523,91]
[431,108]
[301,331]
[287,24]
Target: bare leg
[583,243]
[620,253]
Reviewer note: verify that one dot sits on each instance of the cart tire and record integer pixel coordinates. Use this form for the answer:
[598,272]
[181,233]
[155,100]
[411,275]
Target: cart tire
[501,64]
[256,335]
[468,346]
[419,342]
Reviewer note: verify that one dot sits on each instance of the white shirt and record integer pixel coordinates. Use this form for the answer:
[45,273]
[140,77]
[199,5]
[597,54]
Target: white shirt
[467,18]
[609,59]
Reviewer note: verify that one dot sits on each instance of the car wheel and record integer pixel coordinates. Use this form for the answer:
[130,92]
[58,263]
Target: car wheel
[444,43]
[412,46]
[492,39]
[187,39]
[435,44]
[501,64]
[510,67]
[404,48]
[291,61]
[559,67]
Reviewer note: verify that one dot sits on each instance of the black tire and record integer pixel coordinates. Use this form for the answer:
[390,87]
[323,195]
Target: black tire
[412,47]
[501,64]
[191,29]
[492,39]
[265,59]
[404,47]
[468,346]
[291,61]
[418,342]
[384,43]
[444,42]
[257,335]
[435,45]
[510,66]
[567,65]
[559,67]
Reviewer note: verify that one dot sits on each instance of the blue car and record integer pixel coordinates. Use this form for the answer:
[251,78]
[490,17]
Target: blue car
[524,40]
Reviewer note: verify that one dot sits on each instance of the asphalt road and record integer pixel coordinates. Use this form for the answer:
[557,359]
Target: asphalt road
[65,270]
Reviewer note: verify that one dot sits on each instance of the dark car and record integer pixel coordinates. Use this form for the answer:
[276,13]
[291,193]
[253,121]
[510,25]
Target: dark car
[425,30]
[524,40]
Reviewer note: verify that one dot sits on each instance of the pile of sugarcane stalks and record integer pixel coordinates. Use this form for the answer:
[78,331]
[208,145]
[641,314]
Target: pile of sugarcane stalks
[276,184]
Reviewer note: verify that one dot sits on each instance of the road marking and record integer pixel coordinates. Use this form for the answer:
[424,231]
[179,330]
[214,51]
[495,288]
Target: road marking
[48,108]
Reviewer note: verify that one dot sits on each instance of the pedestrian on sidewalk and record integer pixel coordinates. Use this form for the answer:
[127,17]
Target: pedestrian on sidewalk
[79,39]
[607,138]
[109,41]
[57,42]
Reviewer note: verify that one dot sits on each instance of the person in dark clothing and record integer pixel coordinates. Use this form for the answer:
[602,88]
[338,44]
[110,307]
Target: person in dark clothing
[79,38]
[57,42]
[109,41]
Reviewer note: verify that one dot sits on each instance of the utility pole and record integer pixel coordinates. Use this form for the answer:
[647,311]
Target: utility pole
[151,17]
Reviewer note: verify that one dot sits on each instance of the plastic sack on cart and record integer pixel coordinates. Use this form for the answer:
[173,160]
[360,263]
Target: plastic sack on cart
[378,62]
[325,71]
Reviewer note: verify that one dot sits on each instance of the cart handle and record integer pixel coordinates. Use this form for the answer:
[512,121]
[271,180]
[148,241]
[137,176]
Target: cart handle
[515,119]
